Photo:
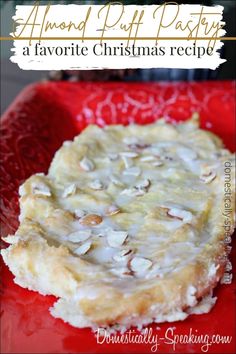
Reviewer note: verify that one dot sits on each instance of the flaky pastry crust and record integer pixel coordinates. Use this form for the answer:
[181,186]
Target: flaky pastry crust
[126,228]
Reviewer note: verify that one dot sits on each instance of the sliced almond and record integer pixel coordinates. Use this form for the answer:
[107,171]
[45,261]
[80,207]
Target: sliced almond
[122,255]
[79,236]
[132,171]
[144,184]
[138,146]
[112,210]
[148,158]
[96,184]
[157,163]
[130,140]
[129,154]
[69,190]
[112,156]
[116,238]
[157,151]
[127,161]
[208,177]
[140,264]
[86,164]
[116,181]
[128,191]
[79,213]
[91,220]
[133,192]
[122,272]
[184,215]
[41,189]
[139,189]
[186,154]
[83,249]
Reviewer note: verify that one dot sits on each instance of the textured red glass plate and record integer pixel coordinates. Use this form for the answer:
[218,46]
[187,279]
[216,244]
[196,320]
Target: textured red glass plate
[32,129]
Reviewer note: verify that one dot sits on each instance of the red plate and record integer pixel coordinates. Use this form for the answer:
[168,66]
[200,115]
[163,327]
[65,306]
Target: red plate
[32,129]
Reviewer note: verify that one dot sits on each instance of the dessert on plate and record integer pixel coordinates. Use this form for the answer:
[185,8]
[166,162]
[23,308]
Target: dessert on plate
[126,227]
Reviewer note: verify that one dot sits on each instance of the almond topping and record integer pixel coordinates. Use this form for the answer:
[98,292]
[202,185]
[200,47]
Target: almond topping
[208,178]
[140,264]
[148,158]
[79,213]
[132,171]
[140,189]
[133,192]
[83,249]
[130,140]
[86,164]
[112,156]
[122,255]
[130,154]
[112,210]
[90,220]
[69,190]
[121,272]
[96,184]
[157,163]
[186,154]
[79,236]
[116,181]
[127,161]
[185,216]
[143,184]
[138,146]
[41,189]
[116,238]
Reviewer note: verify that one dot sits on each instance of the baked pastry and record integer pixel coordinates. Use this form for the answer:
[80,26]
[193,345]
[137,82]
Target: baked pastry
[126,228]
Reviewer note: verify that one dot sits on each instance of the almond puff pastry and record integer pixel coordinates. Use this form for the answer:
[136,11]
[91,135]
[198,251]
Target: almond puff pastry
[126,227]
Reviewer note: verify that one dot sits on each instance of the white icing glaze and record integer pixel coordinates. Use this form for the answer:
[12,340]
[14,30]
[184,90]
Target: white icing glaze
[124,181]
